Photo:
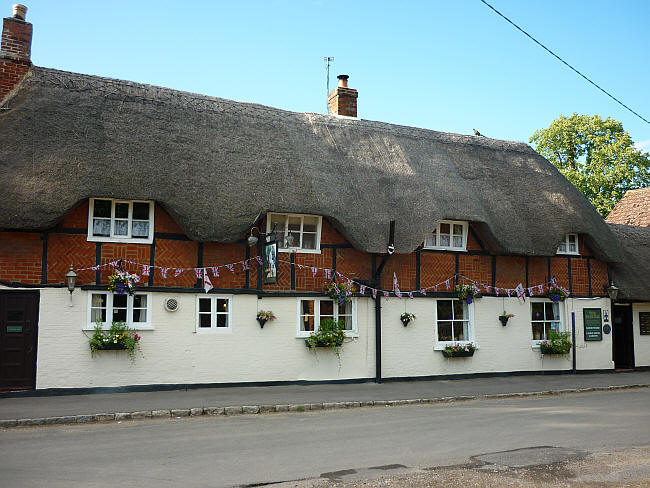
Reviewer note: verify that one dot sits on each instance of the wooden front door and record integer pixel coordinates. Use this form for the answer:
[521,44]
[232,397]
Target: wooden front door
[18,339]
[623,337]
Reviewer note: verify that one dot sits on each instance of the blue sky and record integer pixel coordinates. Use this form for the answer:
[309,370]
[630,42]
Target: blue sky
[443,65]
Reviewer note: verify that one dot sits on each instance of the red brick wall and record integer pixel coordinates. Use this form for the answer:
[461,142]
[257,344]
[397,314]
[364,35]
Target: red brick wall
[559,269]
[77,218]
[16,44]
[164,223]
[176,254]
[598,277]
[219,254]
[403,265]
[436,267]
[66,249]
[537,271]
[472,243]
[511,270]
[478,268]
[579,276]
[20,257]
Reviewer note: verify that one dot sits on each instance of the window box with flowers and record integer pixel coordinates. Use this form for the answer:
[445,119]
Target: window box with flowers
[118,338]
[556,343]
[462,350]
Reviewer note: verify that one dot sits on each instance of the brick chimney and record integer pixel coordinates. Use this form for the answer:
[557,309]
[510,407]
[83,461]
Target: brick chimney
[343,100]
[15,50]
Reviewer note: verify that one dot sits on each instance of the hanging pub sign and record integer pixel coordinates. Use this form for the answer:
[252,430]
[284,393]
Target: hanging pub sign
[270,262]
[593,324]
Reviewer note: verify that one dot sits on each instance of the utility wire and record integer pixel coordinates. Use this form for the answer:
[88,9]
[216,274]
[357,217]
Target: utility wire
[564,62]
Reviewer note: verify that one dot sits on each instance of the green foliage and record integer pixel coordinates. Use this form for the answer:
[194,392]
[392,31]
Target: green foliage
[118,337]
[330,334]
[596,155]
[556,343]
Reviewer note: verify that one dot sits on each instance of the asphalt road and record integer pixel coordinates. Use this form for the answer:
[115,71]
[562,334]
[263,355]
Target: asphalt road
[339,444]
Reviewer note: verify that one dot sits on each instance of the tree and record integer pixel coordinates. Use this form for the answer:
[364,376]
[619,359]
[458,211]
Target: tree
[596,155]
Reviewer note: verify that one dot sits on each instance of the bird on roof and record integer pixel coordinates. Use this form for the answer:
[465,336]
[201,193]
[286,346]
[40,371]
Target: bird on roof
[477,133]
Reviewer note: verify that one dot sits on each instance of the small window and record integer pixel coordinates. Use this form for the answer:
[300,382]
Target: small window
[453,322]
[545,317]
[112,220]
[213,314]
[134,311]
[449,234]
[311,311]
[295,231]
[569,245]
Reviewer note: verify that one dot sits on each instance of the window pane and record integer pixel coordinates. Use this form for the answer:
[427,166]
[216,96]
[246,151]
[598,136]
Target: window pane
[307,323]
[348,321]
[307,307]
[222,320]
[430,241]
[222,305]
[548,327]
[101,227]
[120,300]
[458,230]
[98,313]
[445,229]
[573,244]
[140,229]
[139,315]
[121,210]
[99,300]
[537,310]
[309,241]
[119,314]
[139,301]
[204,320]
[141,211]
[294,223]
[460,307]
[458,241]
[102,208]
[460,331]
[562,247]
[444,241]
[327,308]
[292,239]
[121,227]
[444,309]
[538,331]
[204,304]
[345,309]
[444,331]
[310,224]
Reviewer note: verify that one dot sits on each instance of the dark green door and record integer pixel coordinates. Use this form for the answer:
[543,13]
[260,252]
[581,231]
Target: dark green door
[18,339]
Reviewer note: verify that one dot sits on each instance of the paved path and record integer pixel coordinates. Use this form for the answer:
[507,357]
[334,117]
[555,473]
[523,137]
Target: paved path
[88,405]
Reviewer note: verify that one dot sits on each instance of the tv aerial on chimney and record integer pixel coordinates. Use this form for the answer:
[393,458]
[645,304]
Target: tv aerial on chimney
[327,60]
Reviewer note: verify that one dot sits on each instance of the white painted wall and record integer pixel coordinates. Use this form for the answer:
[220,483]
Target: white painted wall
[641,342]
[174,353]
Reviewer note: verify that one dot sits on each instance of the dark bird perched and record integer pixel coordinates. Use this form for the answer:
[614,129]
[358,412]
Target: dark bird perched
[477,133]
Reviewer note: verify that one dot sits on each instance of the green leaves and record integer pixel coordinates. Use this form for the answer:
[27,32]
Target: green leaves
[596,155]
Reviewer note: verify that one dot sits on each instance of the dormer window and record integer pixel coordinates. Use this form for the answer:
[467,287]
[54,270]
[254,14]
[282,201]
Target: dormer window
[111,220]
[450,234]
[569,245]
[297,232]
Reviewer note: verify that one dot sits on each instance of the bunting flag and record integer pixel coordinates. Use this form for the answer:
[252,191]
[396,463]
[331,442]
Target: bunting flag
[410,294]
[530,292]
[146,270]
[231,267]
[244,265]
[96,268]
[423,292]
[540,289]
[163,272]
[207,284]
[314,272]
[447,284]
[136,278]
[435,287]
[328,273]
[362,289]
[508,290]
[496,290]
[396,286]
[199,273]
[178,272]
[386,294]
[521,293]
[215,271]
[374,293]
[259,260]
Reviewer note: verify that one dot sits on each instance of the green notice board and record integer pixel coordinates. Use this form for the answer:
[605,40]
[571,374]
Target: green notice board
[593,324]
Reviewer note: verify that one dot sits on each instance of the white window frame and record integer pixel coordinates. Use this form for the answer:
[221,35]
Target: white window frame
[113,237]
[298,248]
[432,241]
[306,333]
[90,325]
[213,315]
[562,328]
[440,345]
[565,243]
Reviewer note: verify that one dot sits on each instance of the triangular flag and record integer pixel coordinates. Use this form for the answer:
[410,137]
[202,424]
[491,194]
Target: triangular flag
[207,284]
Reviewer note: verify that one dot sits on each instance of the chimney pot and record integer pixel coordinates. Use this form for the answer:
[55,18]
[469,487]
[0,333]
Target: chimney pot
[342,100]
[343,80]
[20,11]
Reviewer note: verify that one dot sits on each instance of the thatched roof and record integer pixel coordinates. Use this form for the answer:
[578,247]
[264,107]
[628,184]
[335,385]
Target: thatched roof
[632,276]
[215,164]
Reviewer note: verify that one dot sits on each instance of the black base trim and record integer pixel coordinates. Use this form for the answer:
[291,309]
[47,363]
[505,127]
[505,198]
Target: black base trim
[194,386]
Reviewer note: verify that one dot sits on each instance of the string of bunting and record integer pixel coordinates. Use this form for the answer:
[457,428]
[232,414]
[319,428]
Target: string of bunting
[204,272]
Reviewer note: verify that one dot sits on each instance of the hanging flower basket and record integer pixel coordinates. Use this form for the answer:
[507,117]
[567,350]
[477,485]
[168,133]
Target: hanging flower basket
[263,317]
[468,293]
[556,294]
[504,318]
[122,283]
[459,350]
[339,291]
[406,318]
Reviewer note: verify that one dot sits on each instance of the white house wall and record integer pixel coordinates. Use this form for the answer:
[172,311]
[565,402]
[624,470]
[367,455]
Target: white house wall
[173,353]
[641,342]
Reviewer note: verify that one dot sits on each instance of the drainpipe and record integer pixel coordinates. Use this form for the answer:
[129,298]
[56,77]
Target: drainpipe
[573,339]
[377,281]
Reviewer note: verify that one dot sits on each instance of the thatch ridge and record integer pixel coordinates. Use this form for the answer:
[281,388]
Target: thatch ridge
[215,164]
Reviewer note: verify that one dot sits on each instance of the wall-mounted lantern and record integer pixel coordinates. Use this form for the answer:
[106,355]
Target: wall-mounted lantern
[612,291]
[70,279]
